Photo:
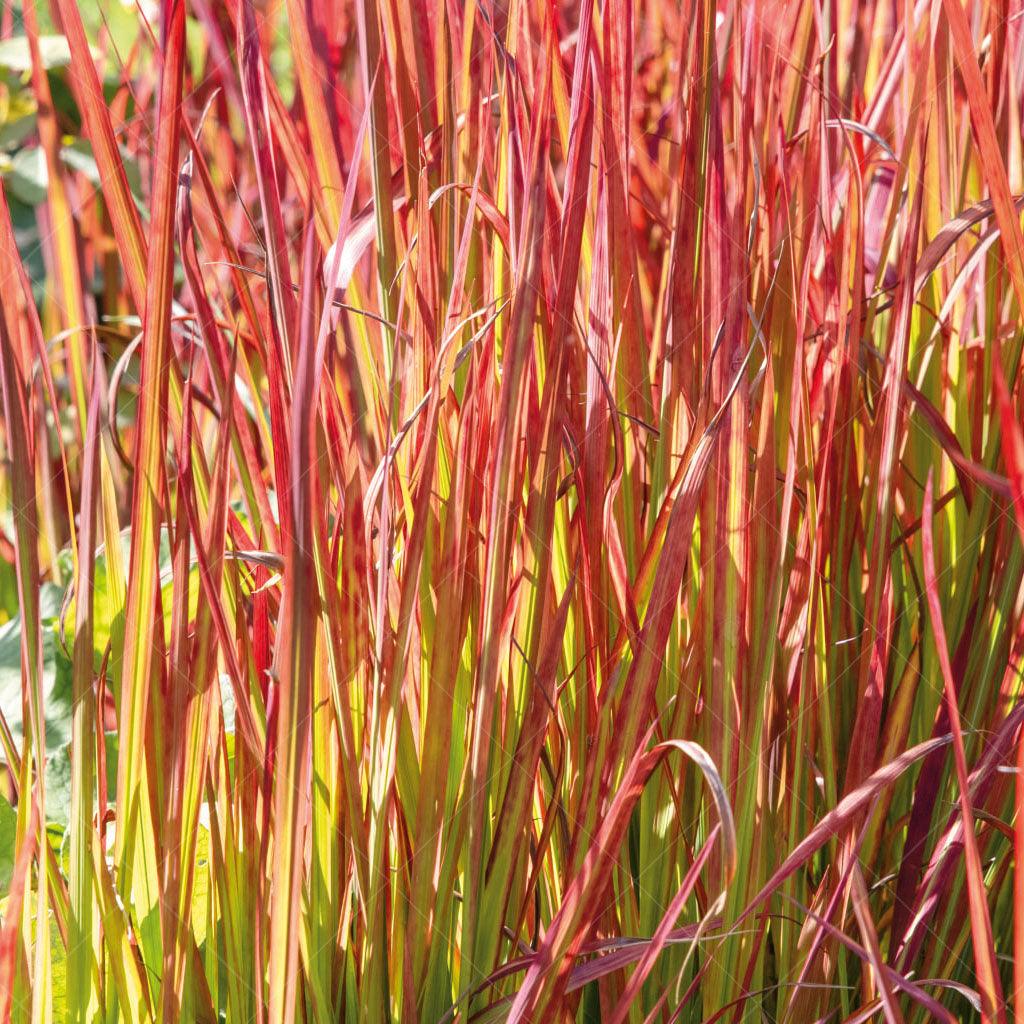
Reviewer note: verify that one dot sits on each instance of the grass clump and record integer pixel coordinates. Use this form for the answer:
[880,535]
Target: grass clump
[511,511]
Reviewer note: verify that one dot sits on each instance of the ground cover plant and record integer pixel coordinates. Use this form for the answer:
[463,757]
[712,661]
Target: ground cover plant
[511,511]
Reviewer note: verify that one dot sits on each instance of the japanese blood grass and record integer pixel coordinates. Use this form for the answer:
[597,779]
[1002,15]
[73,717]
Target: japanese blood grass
[537,491]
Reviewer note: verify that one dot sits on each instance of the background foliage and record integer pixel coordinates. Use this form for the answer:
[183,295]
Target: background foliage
[511,511]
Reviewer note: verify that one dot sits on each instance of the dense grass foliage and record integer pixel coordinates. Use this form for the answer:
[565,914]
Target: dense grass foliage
[511,511]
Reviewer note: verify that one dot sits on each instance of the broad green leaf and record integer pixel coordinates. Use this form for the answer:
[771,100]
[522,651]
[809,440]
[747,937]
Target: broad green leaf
[57,679]
[53,50]
[8,828]
[27,176]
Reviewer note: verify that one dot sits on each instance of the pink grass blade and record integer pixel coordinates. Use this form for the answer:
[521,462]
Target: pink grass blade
[993,1007]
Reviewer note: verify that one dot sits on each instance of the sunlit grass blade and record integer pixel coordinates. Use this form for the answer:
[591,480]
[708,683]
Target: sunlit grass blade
[420,420]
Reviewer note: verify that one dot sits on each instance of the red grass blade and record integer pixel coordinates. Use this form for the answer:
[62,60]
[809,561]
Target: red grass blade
[992,1005]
